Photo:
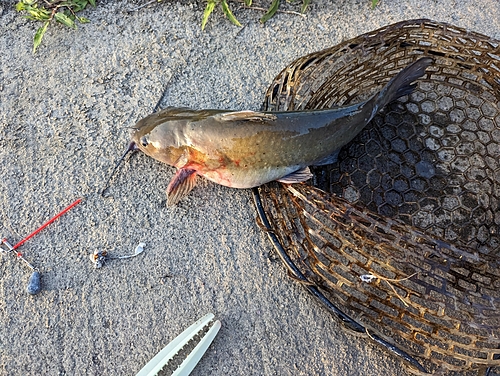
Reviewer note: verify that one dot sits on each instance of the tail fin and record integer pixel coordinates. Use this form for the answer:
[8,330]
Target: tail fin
[399,85]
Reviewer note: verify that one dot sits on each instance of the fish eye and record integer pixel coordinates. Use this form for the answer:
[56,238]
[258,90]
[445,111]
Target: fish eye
[144,141]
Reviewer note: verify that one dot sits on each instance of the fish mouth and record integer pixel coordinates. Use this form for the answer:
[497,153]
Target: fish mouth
[131,147]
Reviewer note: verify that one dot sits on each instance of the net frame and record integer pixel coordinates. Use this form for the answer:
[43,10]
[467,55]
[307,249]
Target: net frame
[425,295]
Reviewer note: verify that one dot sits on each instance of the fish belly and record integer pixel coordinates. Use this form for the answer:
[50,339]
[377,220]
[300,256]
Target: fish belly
[247,177]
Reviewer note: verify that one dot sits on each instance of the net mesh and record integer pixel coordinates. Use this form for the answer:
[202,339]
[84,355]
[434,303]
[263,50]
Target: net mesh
[403,231]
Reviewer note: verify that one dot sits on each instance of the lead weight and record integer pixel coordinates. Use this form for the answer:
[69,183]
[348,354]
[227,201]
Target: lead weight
[35,283]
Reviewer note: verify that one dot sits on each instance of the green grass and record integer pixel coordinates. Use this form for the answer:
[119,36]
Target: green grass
[65,12]
[62,11]
[271,11]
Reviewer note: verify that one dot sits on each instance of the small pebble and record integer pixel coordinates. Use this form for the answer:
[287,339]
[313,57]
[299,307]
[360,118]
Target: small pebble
[367,277]
[139,249]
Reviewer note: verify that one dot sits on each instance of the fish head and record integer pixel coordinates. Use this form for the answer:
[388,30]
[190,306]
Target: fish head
[161,140]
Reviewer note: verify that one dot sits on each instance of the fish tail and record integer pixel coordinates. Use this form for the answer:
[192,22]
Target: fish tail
[401,84]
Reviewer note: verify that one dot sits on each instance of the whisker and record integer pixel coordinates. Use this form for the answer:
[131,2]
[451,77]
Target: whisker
[131,147]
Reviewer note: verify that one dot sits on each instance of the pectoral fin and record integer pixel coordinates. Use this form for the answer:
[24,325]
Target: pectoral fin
[180,186]
[245,115]
[297,176]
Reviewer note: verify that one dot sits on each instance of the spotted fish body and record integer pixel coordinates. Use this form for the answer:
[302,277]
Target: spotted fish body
[244,149]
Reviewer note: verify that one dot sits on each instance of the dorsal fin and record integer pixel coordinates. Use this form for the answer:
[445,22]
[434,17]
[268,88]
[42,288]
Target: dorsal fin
[184,112]
[245,116]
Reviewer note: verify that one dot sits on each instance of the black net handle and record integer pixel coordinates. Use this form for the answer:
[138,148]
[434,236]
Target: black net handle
[297,275]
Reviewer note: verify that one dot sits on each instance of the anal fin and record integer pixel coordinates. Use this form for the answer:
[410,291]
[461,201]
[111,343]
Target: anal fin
[180,186]
[297,176]
[329,159]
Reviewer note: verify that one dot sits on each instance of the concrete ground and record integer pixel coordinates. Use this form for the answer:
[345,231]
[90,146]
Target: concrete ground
[64,118]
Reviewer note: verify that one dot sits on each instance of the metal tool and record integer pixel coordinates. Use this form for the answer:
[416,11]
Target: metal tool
[156,364]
